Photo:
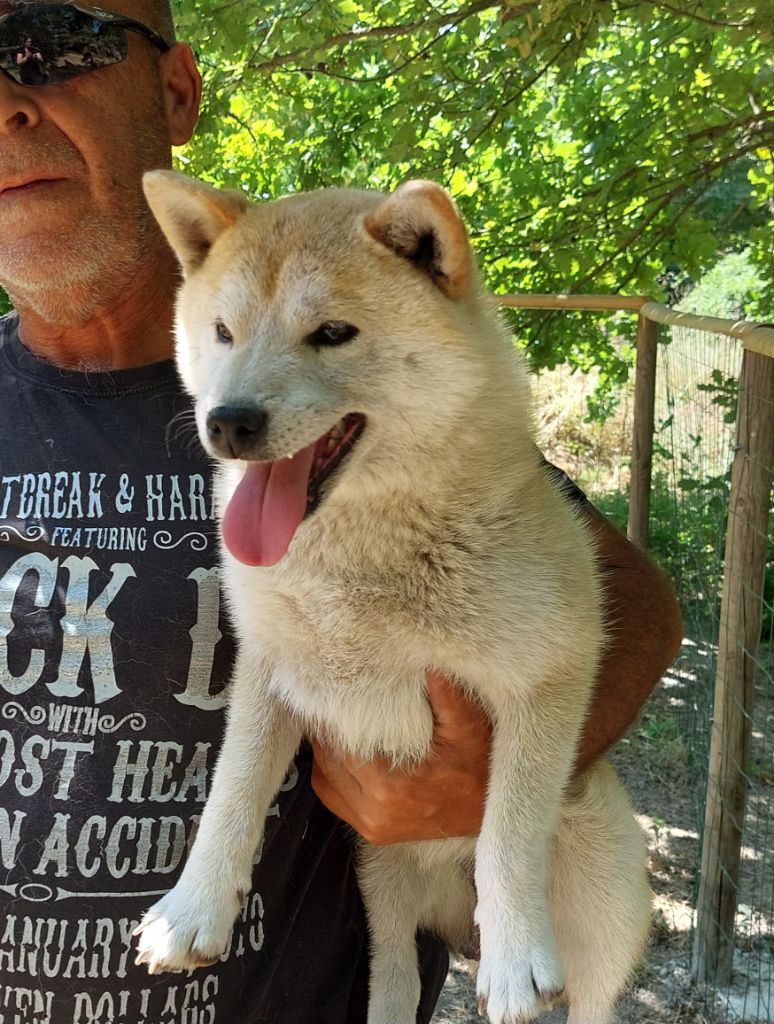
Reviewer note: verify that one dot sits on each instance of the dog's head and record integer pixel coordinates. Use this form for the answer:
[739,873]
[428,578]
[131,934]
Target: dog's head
[318,333]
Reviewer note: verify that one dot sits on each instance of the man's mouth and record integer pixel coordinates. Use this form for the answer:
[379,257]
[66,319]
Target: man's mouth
[20,188]
[273,498]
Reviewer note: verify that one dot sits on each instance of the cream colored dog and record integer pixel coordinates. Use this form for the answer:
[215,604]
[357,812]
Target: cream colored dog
[385,510]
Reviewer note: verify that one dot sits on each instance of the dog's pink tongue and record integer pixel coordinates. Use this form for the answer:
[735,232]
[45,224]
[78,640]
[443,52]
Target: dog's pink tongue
[267,508]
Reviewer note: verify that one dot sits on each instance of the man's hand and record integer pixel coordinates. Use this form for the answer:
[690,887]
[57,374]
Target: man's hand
[440,798]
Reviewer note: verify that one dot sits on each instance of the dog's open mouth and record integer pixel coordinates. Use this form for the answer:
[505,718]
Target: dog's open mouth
[273,498]
[329,452]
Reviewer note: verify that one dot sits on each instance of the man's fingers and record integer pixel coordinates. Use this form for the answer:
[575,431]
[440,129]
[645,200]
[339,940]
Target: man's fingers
[340,772]
[353,779]
[333,799]
[341,766]
[370,796]
[453,711]
[323,757]
[336,786]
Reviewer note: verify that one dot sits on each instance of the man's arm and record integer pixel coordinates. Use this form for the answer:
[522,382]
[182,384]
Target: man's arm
[645,630]
[444,796]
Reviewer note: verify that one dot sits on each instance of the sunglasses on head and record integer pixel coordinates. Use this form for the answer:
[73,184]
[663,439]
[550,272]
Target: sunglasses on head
[46,44]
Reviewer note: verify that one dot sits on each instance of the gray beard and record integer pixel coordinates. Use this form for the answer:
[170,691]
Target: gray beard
[89,274]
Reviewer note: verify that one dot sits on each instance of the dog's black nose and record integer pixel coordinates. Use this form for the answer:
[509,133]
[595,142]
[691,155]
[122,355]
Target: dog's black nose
[234,430]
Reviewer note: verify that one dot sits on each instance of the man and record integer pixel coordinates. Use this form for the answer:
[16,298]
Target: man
[29,60]
[116,646]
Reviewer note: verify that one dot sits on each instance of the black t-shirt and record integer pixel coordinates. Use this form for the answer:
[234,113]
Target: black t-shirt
[115,656]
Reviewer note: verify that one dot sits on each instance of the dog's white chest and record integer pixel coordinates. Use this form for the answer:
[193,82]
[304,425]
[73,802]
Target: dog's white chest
[362,715]
[348,671]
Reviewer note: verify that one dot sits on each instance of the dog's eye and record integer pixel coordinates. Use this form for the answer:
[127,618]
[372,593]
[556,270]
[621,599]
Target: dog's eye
[332,332]
[223,334]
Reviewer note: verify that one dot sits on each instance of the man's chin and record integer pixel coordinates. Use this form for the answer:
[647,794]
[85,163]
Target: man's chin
[61,278]
[68,303]
[59,298]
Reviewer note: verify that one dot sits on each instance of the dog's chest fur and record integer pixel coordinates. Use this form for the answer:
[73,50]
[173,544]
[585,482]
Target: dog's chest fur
[359,610]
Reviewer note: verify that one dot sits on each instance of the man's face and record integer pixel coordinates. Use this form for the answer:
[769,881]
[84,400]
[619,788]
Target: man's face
[72,213]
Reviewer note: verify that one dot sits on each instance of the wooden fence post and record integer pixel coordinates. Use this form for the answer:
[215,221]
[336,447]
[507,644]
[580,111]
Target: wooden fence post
[740,625]
[642,438]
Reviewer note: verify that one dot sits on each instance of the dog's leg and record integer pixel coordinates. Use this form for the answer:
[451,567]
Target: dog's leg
[532,748]
[598,892]
[389,884]
[190,926]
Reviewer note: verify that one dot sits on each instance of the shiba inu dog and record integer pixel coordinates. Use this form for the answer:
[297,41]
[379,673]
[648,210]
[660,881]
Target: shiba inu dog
[385,510]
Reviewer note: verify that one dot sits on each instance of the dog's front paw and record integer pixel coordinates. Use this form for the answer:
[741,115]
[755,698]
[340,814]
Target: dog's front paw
[518,981]
[185,930]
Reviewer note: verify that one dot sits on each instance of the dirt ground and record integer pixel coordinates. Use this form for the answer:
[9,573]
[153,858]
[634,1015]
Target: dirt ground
[652,762]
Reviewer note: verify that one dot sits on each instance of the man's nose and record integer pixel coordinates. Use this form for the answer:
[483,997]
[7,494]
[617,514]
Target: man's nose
[18,106]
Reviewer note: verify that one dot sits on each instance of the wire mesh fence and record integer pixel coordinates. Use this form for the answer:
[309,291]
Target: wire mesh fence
[694,427]
[697,439]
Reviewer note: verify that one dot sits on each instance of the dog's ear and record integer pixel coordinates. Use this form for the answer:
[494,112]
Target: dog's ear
[420,222]
[191,214]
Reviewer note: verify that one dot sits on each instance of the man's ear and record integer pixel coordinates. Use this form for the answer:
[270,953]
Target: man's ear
[182,92]
[420,222]
[191,214]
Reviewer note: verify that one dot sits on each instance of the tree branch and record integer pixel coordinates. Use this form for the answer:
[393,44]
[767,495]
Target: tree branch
[692,16]
[705,172]
[521,90]
[716,130]
[660,236]
[323,70]
[378,32]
